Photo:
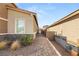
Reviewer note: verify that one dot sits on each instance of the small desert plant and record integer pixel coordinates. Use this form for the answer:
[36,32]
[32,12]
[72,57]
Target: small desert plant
[3,44]
[26,40]
[15,45]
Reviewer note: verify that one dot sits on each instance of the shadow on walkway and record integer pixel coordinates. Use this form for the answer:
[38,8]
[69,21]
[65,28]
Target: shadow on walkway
[61,50]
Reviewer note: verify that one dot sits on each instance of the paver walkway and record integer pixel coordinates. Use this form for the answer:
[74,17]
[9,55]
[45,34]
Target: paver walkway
[39,47]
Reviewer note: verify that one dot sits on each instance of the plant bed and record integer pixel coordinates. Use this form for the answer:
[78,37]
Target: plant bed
[15,41]
[15,45]
[3,45]
[26,40]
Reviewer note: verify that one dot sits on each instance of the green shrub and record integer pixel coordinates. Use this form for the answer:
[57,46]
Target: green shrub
[26,40]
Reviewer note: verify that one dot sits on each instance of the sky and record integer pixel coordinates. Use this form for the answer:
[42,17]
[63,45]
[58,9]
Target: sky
[48,13]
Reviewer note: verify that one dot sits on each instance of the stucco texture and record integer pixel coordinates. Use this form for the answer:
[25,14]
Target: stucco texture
[28,18]
[3,26]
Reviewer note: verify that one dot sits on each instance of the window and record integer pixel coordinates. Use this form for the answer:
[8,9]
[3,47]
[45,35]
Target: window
[20,25]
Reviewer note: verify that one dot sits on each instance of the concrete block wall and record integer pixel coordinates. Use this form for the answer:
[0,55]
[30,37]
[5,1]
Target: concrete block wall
[50,35]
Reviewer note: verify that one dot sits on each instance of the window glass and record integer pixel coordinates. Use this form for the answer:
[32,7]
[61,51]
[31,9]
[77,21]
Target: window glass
[20,26]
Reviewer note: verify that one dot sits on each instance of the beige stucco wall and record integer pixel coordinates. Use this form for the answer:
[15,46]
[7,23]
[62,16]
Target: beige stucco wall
[4,15]
[13,15]
[3,26]
[3,9]
[56,29]
[70,29]
[53,30]
[35,27]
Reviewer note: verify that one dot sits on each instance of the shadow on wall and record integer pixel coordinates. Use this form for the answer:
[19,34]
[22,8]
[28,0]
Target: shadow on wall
[50,35]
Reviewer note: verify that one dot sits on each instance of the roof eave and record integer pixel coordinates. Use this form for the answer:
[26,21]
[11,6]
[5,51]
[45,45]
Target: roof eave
[66,17]
[14,4]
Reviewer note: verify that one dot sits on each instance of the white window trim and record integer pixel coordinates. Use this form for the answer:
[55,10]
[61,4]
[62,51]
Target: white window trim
[16,26]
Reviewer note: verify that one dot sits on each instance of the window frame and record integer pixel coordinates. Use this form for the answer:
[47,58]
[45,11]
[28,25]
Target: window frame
[19,18]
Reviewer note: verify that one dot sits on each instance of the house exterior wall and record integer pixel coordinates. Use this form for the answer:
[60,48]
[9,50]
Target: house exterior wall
[69,28]
[56,29]
[13,15]
[35,27]
[4,15]
[3,26]
[3,9]
[52,31]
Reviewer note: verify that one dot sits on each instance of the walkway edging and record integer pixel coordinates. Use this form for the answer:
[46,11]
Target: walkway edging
[54,48]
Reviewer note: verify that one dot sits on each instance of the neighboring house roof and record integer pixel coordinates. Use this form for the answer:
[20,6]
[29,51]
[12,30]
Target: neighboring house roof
[24,11]
[65,18]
